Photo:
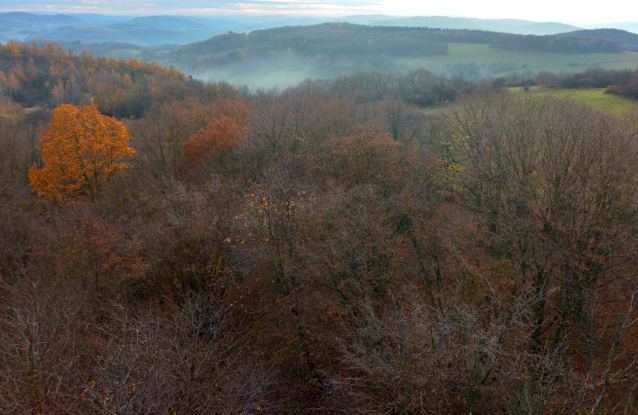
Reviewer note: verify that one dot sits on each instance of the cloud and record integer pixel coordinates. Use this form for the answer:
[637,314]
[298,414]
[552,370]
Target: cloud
[542,10]
[200,6]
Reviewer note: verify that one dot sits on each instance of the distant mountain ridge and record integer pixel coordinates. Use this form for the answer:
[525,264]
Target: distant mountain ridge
[181,30]
[46,19]
[166,23]
[515,26]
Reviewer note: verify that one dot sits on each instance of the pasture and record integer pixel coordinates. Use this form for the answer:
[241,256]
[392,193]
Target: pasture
[595,97]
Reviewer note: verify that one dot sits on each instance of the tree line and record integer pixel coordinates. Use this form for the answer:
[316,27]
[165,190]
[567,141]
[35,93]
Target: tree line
[622,82]
[557,44]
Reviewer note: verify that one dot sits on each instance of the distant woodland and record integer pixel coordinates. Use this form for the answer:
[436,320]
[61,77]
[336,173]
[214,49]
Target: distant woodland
[627,40]
[169,246]
[328,44]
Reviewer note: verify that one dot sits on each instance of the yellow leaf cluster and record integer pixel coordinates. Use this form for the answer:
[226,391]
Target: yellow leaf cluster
[81,149]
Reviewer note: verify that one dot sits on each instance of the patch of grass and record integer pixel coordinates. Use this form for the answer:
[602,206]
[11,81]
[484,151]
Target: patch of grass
[534,61]
[595,97]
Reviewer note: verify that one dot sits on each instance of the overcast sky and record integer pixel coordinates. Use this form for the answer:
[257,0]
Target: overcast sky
[569,11]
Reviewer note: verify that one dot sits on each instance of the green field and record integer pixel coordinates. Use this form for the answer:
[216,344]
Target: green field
[612,104]
[595,97]
[533,61]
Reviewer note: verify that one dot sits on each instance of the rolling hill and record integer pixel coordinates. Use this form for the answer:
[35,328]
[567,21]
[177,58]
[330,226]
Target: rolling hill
[628,40]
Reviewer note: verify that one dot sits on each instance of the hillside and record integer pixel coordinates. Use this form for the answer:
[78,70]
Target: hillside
[337,38]
[289,54]
[328,38]
[628,40]
[46,76]
[321,50]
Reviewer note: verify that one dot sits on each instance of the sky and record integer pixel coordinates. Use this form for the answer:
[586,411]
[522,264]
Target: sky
[567,11]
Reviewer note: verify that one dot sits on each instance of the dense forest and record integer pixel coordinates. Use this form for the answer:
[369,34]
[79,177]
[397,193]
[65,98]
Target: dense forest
[49,76]
[174,247]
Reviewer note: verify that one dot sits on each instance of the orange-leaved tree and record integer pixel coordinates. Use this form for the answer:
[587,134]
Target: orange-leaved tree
[212,146]
[81,149]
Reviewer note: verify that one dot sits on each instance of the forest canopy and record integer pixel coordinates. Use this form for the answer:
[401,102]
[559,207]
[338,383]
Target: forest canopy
[374,243]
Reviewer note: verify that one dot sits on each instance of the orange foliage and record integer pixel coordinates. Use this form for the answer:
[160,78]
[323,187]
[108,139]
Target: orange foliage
[236,109]
[220,136]
[225,132]
[81,149]
[15,48]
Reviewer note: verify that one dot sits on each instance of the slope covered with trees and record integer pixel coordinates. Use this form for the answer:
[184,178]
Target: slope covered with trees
[51,76]
[628,40]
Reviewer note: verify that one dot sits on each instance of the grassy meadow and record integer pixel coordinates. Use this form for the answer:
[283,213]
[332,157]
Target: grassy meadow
[595,97]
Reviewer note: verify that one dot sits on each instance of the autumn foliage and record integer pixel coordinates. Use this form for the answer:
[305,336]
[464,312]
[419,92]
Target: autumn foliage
[81,150]
[225,132]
